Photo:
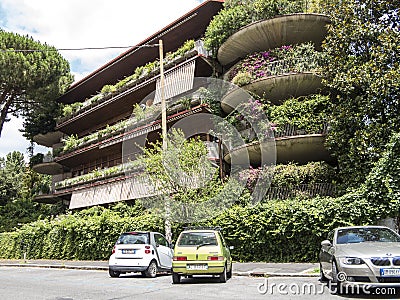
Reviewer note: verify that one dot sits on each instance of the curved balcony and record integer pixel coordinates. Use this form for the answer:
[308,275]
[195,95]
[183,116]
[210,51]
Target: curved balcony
[300,149]
[275,88]
[268,34]
[291,145]
[48,166]
[48,139]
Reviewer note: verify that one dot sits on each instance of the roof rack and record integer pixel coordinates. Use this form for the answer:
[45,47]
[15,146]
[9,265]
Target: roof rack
[202,228]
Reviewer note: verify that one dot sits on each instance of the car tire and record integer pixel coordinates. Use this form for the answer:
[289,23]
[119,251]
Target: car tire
[229,274]
[114,274]
[322,277]
[223,276]
[151,271]
[176,278]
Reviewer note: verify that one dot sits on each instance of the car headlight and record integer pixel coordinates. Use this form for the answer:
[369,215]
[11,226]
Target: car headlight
[353,261]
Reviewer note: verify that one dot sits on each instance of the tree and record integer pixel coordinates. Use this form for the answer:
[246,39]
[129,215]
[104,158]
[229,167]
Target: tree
[11,177]
[30,80]
[363,72]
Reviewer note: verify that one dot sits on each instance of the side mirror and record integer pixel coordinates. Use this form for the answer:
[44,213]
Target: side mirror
[326,243]
[231,247]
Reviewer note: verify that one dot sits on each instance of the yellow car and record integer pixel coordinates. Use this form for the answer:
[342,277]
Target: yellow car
[201,252]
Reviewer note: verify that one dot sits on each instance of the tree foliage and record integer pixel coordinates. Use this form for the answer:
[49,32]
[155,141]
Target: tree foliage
[18,185]
[363,72]
[30,81]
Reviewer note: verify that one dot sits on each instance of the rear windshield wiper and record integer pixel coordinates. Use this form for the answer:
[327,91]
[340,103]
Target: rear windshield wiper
[205,244]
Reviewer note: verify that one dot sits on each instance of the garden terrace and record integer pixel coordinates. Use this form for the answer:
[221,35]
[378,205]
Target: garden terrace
[275,88]
[268,34]
[291,144]
[113,144]
[119,106]
[48,166]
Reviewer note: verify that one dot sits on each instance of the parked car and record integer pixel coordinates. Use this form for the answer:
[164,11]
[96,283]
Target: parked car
[201,252]
[145,252]
[361,256]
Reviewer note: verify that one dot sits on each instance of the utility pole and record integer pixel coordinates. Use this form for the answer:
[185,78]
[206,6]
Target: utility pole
[168,231]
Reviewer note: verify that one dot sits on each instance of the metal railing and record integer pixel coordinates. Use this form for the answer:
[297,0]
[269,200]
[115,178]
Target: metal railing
[310,190]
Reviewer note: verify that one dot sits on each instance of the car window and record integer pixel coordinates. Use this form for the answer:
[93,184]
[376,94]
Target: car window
[161,240]
[133,238]
[197,239]
[366,234]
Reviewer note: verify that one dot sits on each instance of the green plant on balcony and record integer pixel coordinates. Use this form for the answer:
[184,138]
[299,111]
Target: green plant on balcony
[237,14]
[99,174]
[285,59]
[291,175]
[310,113]
[140,115]
[303,115]
[140,72]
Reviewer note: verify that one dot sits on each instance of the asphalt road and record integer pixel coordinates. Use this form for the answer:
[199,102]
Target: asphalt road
[61,284]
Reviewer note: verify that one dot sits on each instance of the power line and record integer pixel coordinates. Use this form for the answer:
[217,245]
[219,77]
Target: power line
[79,49]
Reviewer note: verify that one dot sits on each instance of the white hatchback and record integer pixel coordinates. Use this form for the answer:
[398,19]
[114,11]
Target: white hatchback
[146,252]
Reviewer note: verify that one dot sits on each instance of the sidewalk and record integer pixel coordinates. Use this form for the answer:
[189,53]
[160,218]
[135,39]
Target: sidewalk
[239,269]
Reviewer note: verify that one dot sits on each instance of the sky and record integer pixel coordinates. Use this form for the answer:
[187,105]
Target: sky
[81,24]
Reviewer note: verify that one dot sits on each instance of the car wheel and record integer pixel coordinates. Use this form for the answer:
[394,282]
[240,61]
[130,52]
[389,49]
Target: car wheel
[322,276]
[176,278]
[229,274]
[223,276]
[151,271]
[113,273]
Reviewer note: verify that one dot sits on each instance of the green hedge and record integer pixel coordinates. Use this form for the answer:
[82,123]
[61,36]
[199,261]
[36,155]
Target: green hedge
[288,230]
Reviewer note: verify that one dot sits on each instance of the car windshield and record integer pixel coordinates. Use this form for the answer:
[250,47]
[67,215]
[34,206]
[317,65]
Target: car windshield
[133,238]
[197,239]
[359,235]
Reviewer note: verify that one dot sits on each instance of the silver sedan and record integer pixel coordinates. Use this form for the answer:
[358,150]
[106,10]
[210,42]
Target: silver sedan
[361,256]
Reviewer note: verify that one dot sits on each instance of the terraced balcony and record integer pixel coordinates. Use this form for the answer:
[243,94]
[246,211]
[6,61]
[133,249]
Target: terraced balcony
[267,34]
[48,139]
[291,145]
[48,166]
[282,79]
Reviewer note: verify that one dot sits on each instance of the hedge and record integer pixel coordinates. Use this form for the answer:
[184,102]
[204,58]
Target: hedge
[280,230]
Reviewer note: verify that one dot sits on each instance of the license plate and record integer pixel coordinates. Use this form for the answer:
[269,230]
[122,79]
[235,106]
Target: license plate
[197,267]
[128,251]
[390,272]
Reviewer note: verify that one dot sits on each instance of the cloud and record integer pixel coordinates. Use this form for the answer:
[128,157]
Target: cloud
[87,23]
[91,23]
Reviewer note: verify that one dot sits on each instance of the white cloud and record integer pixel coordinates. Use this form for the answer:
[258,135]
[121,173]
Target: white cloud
[85,23]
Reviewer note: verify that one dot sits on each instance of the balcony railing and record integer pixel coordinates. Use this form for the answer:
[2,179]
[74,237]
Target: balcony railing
[280,67]
[149,115]
[128,83]
[310,190]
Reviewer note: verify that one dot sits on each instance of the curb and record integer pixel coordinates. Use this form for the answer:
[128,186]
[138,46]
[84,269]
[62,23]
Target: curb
[101,268]
[92,268]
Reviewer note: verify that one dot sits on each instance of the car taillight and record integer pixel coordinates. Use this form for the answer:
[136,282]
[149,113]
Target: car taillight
[180,258]
[215,258]
[113,250]
[147,249]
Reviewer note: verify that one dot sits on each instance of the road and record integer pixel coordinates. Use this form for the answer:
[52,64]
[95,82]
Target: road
[61,284]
